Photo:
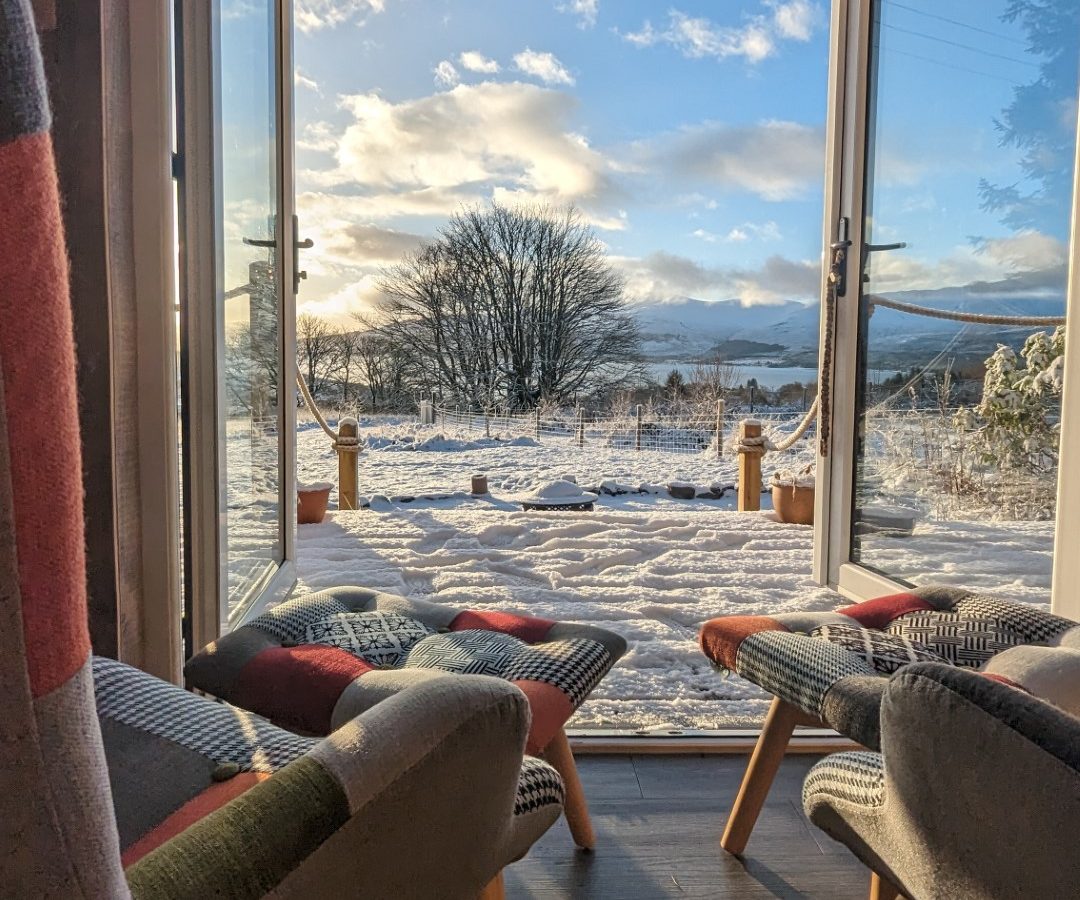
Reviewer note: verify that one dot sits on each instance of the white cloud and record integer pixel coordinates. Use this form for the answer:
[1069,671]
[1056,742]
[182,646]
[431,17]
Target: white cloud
[513,136]
[766,231]
[774,160]
[445,74]
[666,276]
[585,10]
[314,15]
[544,66]
[475,61]
[305,81]
[318,136]
[754,40]
[795,20]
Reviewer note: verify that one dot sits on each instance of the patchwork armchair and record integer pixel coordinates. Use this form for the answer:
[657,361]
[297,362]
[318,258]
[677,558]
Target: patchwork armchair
[115,784]
[976,793]
[319,660]
[830,669]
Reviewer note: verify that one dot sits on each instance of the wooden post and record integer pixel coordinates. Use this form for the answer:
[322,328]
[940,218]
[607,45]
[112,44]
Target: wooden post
[637,432]
[719,428]
[581,426]
[536,425]
[749,466]
[348,452]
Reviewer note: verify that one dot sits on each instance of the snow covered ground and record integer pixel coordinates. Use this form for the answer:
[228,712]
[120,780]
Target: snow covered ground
[647,566]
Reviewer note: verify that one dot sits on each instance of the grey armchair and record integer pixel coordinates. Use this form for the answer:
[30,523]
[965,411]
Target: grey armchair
[976,793]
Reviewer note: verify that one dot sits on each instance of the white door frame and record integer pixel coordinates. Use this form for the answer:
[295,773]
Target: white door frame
[205,482]
[846,145]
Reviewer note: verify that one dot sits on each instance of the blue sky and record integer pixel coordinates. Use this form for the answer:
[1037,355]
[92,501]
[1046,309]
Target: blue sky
[689,134]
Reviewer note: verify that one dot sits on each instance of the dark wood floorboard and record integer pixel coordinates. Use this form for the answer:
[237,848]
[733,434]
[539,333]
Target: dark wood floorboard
[658,822]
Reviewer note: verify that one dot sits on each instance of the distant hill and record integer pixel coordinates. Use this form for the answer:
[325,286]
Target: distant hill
[788,332]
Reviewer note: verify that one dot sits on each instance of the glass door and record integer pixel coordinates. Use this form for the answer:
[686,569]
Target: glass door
[237,307]
[957,153]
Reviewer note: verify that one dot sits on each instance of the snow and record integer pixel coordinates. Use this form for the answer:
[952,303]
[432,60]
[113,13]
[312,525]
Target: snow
[642,564]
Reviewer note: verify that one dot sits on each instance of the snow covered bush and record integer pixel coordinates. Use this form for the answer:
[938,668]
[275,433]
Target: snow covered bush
[1016,424]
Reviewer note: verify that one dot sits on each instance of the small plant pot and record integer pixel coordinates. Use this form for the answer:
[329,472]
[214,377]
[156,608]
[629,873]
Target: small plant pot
[311,503]
[794,505]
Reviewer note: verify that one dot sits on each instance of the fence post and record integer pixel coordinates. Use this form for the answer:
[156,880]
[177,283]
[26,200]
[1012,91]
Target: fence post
[719,428]
[750,465]
[348,451]
[637,431]
[536,425]
[581,426]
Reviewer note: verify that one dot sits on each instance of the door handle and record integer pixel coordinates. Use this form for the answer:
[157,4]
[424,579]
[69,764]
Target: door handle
[255,242]
[877,248]
[306,244]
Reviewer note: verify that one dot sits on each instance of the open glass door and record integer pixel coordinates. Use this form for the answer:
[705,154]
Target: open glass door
[237,307]
[953,145]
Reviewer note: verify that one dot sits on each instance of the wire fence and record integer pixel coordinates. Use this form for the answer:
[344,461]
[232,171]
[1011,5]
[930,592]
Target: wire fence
[638,429]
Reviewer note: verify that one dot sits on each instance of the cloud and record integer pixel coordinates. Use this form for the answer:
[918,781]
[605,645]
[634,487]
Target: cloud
[774,160]
[585,10]
[475,61]
[318,136]
[666,276]
[544,66]
[367,244]
[754,40]
[766,231]
[315,15]
[511,136]
[445,74]
[303,80]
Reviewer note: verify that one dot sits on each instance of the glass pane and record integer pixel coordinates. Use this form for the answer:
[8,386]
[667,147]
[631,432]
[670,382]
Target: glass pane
[252,314]
[971,128]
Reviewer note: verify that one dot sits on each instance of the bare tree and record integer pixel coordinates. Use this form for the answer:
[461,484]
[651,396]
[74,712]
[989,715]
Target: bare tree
[347,360]
[714,378]
[317,349]
[514,306]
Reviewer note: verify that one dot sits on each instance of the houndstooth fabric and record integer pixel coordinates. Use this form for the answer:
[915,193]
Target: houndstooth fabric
[469,652]
[884,651]
[1029,623]
[962,639]
[796,667]
[220,732]
[289,621]
[857,777]
[539,785]
[574,666]
[382,639]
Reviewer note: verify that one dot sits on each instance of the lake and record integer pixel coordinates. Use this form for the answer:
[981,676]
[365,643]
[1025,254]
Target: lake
[767,376]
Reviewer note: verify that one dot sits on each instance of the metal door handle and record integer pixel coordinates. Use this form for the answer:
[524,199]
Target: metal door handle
[255,242]
[877,248]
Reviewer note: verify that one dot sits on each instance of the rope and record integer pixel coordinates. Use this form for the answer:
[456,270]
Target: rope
[804,426]
[971,318]
[825,388]
[313,408]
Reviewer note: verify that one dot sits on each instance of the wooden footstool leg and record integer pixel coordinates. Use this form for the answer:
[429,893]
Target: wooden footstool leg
[495,890]
[577,811]
[882,888]
[768,754]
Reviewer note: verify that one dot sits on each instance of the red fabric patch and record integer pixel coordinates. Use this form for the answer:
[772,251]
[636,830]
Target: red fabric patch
[720,638]
[880,612]
[551,709]
[199,806]
[525,628]
[37,355]
[1007,681]
[297,687]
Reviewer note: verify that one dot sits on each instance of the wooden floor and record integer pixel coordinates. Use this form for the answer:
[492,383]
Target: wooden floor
[658,821]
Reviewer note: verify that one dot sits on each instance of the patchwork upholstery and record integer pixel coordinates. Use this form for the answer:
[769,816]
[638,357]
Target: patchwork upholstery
[316,661]
[965,758]
[197,754]
[827,664]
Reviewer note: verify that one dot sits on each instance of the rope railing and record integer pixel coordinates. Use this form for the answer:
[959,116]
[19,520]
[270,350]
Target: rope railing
[969,318]
[345,440]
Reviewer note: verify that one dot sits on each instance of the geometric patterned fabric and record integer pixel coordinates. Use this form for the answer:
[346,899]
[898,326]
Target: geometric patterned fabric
[282,664]
[538,786]
[379,638]
[827,663]
[856,776]
[886,651]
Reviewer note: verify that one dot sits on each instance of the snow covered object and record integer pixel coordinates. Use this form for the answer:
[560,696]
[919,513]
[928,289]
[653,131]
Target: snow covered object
[562,494]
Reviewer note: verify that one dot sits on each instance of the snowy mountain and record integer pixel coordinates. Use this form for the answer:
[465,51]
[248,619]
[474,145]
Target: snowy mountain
[687,328]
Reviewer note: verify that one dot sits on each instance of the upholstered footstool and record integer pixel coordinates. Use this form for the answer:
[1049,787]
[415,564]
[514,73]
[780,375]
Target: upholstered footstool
[830,669]
[320,660]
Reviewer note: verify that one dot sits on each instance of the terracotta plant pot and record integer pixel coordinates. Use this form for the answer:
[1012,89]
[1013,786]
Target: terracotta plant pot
[311,502]
[794,505]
